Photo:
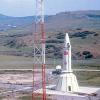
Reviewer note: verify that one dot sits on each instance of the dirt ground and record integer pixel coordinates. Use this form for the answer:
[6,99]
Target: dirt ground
[9,81]
[25,78]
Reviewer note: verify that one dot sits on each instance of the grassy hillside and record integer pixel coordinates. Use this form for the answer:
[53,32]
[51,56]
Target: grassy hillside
[82,26]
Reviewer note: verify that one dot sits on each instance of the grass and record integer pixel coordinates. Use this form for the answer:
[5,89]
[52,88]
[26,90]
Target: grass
[15,62]
[25,98]
[91,78]
[30,98]
[86,64]
[4,48]
[14,58]
[21,62]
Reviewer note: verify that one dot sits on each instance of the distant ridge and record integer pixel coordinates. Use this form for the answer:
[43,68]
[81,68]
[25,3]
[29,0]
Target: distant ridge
[4,16]
[66,12]
[60,21]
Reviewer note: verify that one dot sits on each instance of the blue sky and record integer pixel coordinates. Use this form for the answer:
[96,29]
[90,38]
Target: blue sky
[27,7]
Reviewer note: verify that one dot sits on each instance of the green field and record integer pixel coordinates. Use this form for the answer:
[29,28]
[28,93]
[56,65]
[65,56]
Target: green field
[30,98]
[15,62]
[86,78]
[21,62]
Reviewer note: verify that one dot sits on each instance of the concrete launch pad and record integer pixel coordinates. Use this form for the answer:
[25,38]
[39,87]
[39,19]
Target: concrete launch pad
[85,93]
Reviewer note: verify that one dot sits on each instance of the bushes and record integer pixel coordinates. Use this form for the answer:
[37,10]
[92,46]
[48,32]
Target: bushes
[87,54]
[84,55]
[82,34]
[60,36]
[96,34]
[54,41]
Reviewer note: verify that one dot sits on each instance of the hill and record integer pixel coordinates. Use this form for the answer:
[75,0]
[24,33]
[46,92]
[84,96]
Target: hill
[82,26]
[61,21]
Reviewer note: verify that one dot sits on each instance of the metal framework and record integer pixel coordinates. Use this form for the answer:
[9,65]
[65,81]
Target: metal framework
[39,47]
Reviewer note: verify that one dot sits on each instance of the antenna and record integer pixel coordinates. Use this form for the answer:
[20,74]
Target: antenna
[39,47]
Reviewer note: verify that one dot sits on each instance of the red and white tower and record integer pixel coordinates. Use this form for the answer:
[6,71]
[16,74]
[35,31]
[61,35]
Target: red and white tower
[39,47]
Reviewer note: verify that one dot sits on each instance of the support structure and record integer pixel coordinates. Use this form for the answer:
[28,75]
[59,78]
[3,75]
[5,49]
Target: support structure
[39,48]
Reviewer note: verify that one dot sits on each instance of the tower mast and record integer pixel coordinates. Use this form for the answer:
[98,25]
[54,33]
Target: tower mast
[39,46]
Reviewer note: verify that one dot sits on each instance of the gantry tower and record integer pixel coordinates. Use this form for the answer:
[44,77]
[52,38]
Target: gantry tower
[39,47]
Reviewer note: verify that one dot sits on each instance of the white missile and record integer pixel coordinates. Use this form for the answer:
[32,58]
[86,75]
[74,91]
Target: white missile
[67,80]
[67,55]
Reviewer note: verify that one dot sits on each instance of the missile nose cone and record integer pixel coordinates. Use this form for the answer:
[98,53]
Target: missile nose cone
[67,38]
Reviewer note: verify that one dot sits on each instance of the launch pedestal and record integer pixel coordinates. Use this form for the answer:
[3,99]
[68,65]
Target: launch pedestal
[67,83]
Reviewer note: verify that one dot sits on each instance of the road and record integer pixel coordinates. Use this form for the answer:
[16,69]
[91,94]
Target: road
[90,70]
[47,70]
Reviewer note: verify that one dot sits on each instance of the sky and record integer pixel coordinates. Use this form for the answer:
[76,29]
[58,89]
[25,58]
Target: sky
[27,7]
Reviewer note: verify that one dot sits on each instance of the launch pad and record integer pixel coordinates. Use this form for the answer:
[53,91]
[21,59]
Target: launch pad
[85,93]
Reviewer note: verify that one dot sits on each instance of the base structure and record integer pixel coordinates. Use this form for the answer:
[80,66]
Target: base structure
[67,83]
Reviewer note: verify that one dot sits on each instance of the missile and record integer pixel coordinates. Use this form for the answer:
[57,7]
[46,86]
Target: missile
[67,55]
[67,80]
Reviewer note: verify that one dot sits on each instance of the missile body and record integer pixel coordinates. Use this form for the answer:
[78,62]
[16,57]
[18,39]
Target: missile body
[67,54]
[67,80]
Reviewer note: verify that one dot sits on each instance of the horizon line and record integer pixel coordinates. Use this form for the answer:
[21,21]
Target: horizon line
[47,14]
